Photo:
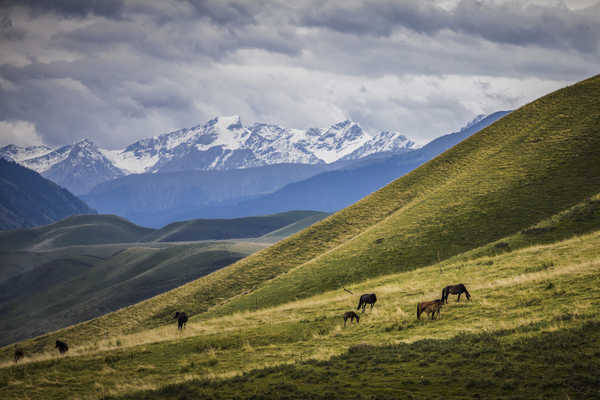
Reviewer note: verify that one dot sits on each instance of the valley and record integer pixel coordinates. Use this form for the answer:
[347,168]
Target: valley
[89,265]
[512,212]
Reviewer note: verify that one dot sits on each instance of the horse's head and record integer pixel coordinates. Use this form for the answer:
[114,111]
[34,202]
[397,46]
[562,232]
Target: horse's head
[357,318]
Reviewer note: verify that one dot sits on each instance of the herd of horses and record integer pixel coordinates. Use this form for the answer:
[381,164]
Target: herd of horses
[430,307]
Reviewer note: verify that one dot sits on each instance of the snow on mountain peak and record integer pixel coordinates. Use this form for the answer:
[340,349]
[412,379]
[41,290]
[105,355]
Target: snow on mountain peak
[221,143]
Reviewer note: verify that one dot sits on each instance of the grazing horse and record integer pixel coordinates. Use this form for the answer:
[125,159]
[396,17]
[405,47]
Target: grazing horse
[181,319]
[351,315]
[456,289]
[430,307]
[62,347]
[366,299]
[18,355]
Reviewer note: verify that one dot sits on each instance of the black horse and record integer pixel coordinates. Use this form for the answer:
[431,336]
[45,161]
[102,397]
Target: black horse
[19,354]
[366,299]
[455,289]
[181,319]
[351,315]
[62,347]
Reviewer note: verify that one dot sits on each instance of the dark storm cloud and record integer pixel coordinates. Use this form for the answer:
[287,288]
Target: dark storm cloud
[227,13]
[522,25]
[69,8]
[8,31]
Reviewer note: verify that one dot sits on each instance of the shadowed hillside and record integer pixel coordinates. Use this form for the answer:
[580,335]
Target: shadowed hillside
[27,199]
[236,228]
[85,266]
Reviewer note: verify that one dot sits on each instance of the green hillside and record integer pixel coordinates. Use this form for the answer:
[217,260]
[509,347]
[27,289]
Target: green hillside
[73,231]
[236,228]
[73,284]
[85,266]
[512,212]
[529,331]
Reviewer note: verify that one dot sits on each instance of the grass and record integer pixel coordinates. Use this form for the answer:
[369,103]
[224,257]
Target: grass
[513,313]
[75,284]
[71,271]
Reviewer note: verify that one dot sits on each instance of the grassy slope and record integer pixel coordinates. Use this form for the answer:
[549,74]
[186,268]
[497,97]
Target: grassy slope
[72,231]
[44,287]
[529,165]
[83,282]
[211,229]
[294,227]
[530,331]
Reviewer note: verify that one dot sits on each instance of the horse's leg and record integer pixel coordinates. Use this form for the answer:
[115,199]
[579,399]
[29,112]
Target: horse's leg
[458,300]
[345,322]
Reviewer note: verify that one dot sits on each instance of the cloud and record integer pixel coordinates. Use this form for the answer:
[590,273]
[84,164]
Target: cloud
[21,133]
[141,68]
[69,8]
[511,23]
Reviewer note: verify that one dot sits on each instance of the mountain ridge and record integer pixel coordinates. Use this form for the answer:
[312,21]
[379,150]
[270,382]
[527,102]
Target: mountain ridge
[222,143]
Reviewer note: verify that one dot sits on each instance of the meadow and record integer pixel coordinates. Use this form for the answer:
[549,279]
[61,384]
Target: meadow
[533,317]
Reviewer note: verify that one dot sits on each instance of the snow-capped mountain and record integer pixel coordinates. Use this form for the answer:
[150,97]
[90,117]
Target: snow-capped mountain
[222,143]
[16,153]
[78,167]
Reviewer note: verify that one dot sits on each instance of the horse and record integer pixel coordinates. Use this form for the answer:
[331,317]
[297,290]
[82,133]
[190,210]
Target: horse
[366,299]
[456,289]
[351,315]
[181,319]
[19,354]
[430,307]
[62,347]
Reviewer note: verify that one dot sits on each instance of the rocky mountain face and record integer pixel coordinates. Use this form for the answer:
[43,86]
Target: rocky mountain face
[222,143]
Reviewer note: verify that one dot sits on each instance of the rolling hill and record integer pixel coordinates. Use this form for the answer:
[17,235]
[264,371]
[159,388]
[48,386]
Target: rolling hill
[27,199]
[512,212]
[85,266]
[236,228]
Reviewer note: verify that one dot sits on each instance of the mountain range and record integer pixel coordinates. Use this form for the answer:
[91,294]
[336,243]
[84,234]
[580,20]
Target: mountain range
[157,199]
[223,143]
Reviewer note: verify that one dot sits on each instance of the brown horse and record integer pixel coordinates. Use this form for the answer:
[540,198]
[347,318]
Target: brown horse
[430,307]
[19,354]
[351,315]
[455,289]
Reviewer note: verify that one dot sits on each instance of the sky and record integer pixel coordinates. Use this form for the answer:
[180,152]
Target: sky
[116,71]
